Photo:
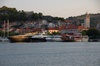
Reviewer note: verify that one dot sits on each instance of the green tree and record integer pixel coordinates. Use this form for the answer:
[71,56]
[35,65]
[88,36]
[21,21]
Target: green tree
[22,16]
[84,32]
[40,15]
[48,33]
[53,33]
[93,33]
[8,13]
[58,18]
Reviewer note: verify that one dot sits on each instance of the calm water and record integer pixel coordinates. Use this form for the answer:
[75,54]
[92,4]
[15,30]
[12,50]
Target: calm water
[50,54]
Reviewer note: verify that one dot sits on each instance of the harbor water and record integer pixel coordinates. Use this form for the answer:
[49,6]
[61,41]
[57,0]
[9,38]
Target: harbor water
[50,54]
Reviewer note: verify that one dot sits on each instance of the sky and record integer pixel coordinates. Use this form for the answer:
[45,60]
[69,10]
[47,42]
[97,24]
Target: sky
[56,8]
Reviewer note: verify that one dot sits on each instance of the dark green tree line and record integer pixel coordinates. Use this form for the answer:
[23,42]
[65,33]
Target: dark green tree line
[14,15]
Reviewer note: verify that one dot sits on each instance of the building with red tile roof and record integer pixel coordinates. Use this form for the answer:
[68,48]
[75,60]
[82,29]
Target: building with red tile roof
[51,30]
[81,28]
[71,28]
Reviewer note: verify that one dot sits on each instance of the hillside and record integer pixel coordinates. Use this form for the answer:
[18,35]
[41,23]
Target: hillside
[14,15]
[94,19]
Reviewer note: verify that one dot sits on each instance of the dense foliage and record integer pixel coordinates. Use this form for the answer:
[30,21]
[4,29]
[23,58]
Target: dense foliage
[92,33]
[14,15]
[84,32]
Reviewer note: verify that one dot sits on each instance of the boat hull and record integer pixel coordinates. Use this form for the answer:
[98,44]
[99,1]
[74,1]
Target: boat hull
[54,39]
[18,39]
[67,39]
[37,39]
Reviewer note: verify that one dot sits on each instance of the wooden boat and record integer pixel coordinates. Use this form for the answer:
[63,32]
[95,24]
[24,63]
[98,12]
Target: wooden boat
[21,38]
[18,38]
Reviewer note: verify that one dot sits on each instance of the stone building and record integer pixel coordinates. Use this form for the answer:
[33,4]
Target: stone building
[87,21]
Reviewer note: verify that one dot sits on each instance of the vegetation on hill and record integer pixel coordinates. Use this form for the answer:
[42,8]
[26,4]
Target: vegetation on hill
[14,15]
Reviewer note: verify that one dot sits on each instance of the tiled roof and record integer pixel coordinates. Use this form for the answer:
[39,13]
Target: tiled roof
[71,26]
[81,27]
[62,27]
[68,21]
[52,28]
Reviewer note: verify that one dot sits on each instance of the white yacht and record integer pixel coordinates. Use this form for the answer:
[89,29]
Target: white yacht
[54,38]
[44,38]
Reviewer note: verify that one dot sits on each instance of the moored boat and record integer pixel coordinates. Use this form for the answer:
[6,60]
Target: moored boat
[38,38]
[45,38]
[67,38]
[54,38]
[21,38]
[18,38]
[4,39]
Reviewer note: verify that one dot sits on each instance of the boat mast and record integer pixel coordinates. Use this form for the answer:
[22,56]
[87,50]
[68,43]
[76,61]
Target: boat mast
[4,28]
[7,27]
